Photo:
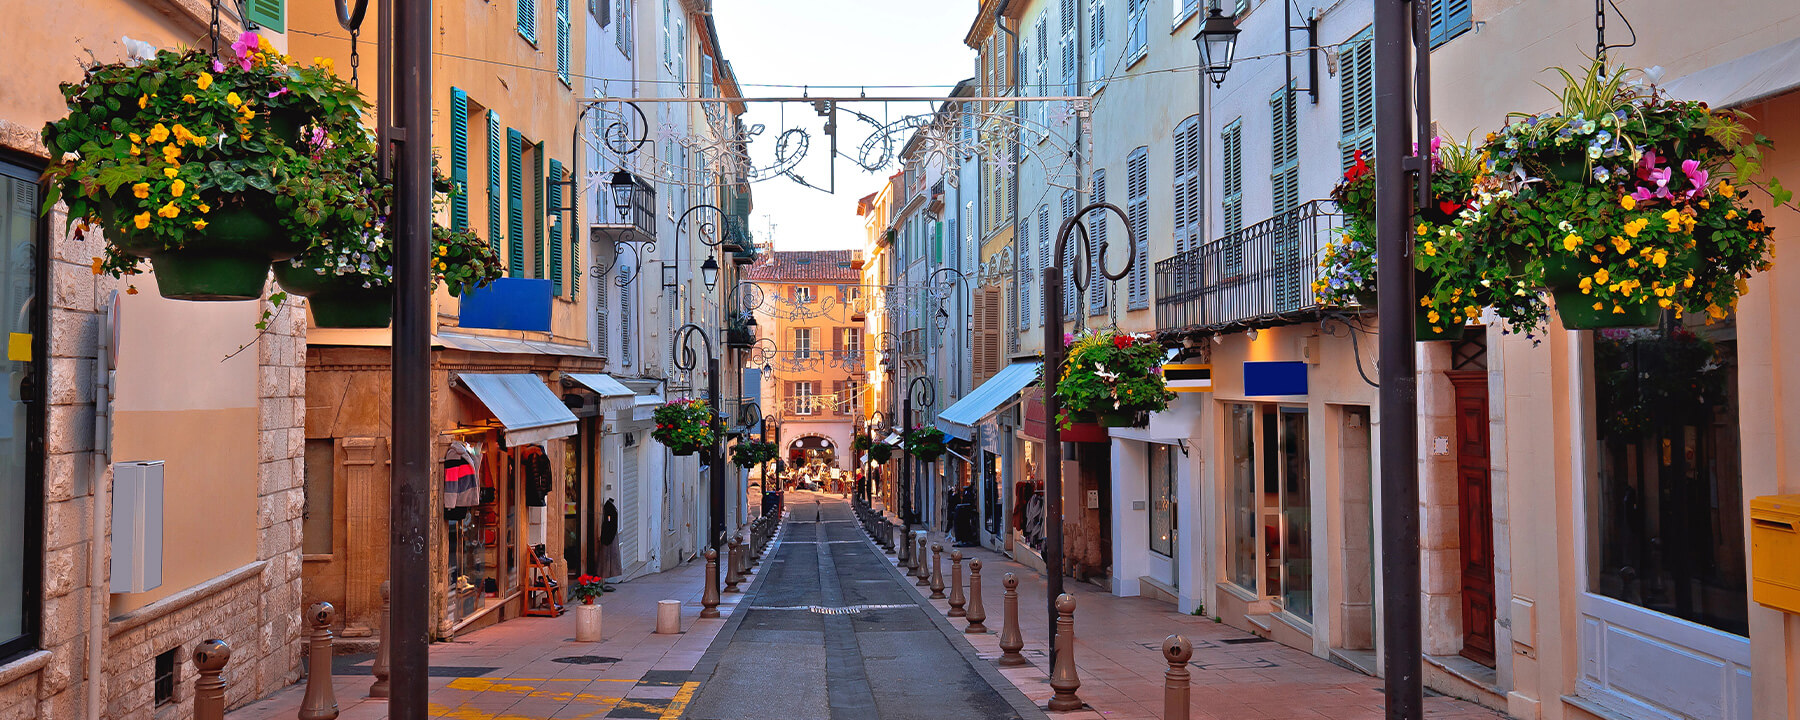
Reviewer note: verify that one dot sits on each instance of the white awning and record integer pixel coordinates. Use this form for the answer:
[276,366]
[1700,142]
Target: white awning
[1743,80]
[644,408]
[614,396]
[523,405]
[961,418]
[892,439]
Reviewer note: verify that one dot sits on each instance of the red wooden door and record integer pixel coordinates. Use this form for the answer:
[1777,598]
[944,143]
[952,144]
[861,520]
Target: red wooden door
[1475,514]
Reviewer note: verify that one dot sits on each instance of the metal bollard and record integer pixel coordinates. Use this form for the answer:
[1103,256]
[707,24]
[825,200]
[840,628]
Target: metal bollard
[937,571]
[379,688]
[1010,640]
[923,569]
[731,567]
[1063,678]
[753,553]
[976,613]
[320,701]
[210,657]
[1178,651]
[956,593]
[709,600]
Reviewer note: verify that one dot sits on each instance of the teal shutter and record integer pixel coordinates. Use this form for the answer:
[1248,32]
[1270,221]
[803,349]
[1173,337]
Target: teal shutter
[528,20]
[576,237]
[270,14]
[515,203]
[537,204]
[1356,98]
[562,40]
[555,190]
[494,191]
[459,159]
[1449,18]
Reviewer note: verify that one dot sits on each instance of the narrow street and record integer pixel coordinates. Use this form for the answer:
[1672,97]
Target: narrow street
[831,630]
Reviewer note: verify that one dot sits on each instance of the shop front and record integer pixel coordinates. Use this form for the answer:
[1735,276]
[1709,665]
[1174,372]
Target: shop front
[973,420]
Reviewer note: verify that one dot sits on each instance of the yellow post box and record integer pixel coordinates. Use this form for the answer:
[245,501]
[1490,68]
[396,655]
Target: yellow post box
[1775,551]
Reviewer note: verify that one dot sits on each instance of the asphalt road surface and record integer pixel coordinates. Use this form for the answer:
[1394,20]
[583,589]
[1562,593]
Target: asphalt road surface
[831,631]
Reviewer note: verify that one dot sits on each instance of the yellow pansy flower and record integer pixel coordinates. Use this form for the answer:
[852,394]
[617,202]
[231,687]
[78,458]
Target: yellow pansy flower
[204,81]
[233,100]
[1636,226]
[169,172]
[199,224]
[1571,242]
[1430,249]
[98,263]
[1423,228]
[1621,244]
[159,133]
[177,188]
[1628,202]
[1432,317]
[1597,306]
[1731,214]
[142,220]
[141,190]
[205,208]
[1601,276]
[134,137]
[1665,302]
[1660,257]
[1587,285]
[168,210]
[189,99]
[143,101]
[1726,189]
[171,152]
[135,151]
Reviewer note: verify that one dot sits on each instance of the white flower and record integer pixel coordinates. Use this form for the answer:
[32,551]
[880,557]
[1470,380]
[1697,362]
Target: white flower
[71,156]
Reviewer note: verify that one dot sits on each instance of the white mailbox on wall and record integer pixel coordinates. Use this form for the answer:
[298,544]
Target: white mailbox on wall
[137,526]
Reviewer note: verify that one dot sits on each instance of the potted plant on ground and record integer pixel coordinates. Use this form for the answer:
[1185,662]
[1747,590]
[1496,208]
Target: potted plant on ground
[684,425]
[925,443]
[1114,377]
[1622,202]
[587,589]
[200,165]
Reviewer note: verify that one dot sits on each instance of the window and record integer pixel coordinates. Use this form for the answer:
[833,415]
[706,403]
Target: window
[316,514]
[803,397]
[515,203]
[622,27]
[1187,185]
[1449,18]
[1026,278]
[1242,518]
[496,193]
[164,688]
[537,219]
[852,398]
[267,13]
[1137,208]
[852,342]
[1356,97]
[1185,9]
[1068,46]
[1097,68]
[1067,261]
[1295,499]
[803,294]
[1041,60]
[1284,141]
[1137,30]
[528,20]
[554,191]
[1665,509]
[562,41]
[21,467]
[1163,470]
[802,343]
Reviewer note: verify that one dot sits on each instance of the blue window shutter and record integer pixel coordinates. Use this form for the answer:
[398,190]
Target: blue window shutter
[267,13]
[494,191]
[562,40]
[528,20]
[1449,18]
[555,191]
[515,203]
[537,225]
[459,159]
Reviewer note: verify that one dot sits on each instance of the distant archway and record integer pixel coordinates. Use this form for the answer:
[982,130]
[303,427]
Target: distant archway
[812,451]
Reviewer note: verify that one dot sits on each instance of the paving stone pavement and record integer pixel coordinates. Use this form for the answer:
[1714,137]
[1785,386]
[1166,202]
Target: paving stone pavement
[531,668]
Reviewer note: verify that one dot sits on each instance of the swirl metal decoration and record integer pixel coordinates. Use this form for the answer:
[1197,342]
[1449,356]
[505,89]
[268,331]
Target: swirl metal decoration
[764,351]
[747,297]
[622,136]
[1085,253]
[708,229]
[922,396]
[683,341]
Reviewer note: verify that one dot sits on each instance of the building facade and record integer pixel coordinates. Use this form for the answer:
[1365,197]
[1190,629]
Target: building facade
[810,310]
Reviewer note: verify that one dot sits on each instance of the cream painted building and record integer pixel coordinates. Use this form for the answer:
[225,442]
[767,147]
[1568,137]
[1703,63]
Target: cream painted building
[79,637]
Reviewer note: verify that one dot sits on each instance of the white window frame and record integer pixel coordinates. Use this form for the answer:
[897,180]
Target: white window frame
[803,343]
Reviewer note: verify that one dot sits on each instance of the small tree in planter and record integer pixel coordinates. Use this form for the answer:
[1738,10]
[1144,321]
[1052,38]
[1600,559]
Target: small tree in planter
[1622,202]
[208,168]
[1113,376]
[925,443]
[684,425]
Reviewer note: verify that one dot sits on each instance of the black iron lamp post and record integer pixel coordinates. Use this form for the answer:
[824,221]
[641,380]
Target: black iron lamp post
[624,189]
[1053,360]
[685,360]
[923,392]
[871,430]
[709,273]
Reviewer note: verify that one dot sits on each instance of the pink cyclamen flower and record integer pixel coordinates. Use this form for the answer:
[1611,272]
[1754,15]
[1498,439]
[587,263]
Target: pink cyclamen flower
[1696,176]
[246,43]
[218,66]
[279,92]
[1646,164]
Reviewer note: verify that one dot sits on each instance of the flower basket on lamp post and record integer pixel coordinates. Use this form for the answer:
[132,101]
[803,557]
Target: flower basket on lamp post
[925,443]
[1115,378]
[684,425]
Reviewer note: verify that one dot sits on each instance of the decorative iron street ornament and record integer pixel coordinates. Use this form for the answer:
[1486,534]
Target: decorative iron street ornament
[686,359]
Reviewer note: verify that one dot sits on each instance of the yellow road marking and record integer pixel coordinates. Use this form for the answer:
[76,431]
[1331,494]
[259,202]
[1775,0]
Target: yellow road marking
[679,703]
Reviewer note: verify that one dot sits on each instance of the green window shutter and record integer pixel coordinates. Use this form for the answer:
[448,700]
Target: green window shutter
[494,191]
[537,225]
[937,241]
[562,40]
[459,159]
[555,190]
[515,203]
[1356,98]
[528,20]
[576,237]
[267,13]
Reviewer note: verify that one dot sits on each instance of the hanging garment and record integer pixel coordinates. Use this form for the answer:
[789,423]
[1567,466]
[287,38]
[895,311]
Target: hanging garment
[461,467]
[535,464]
[610,563]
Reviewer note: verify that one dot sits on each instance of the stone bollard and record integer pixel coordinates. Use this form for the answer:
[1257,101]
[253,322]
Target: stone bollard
[320,701]
[209,689]
[379,688]
[1062,667]
[956,593]
[921,556]
[976,613]
[731,567]
[1010,640]
[937,571]
[1177,650]
[709,600]
[668,617]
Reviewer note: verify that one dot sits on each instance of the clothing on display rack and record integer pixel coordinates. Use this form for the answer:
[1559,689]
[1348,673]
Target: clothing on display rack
[462,468]
[535,464]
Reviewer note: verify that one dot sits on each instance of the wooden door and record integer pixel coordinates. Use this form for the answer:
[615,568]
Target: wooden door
[1475,514]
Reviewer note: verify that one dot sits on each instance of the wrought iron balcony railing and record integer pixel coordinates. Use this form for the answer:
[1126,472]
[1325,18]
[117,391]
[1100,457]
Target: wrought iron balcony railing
[636,224]
[1262,272]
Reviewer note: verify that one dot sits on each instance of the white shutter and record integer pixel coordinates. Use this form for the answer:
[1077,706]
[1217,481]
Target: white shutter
[628,503]
[1097,221]
[1022,292]
[1068,257]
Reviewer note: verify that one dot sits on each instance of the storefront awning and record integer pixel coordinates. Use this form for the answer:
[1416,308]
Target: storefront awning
[961,418]
[614,396]
[892,439]
[525,407]
[644,406]
[1760,75]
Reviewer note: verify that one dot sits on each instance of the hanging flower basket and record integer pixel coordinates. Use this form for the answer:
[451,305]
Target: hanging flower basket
[925,443]
[210,169]
[1113,377]
[349,279]
[684,425]
[861,443]
[881,453]
[752,453]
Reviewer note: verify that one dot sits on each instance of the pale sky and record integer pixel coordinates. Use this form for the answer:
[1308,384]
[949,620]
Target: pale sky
[835,42]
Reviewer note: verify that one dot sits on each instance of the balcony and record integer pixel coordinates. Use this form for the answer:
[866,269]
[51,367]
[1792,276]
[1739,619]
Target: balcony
[635,224]
[1261,275]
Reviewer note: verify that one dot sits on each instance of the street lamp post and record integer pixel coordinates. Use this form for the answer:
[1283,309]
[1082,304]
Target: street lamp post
[868,483]
[1053,360]
[685,360]
[923,392]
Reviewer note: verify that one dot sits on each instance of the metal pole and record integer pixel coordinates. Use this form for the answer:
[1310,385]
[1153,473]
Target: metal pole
[717,505]
[409,98]
[1053,509]
[1401,642]
[906,471]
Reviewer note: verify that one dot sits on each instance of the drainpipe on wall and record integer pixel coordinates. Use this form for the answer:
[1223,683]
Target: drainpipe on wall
[98,593]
